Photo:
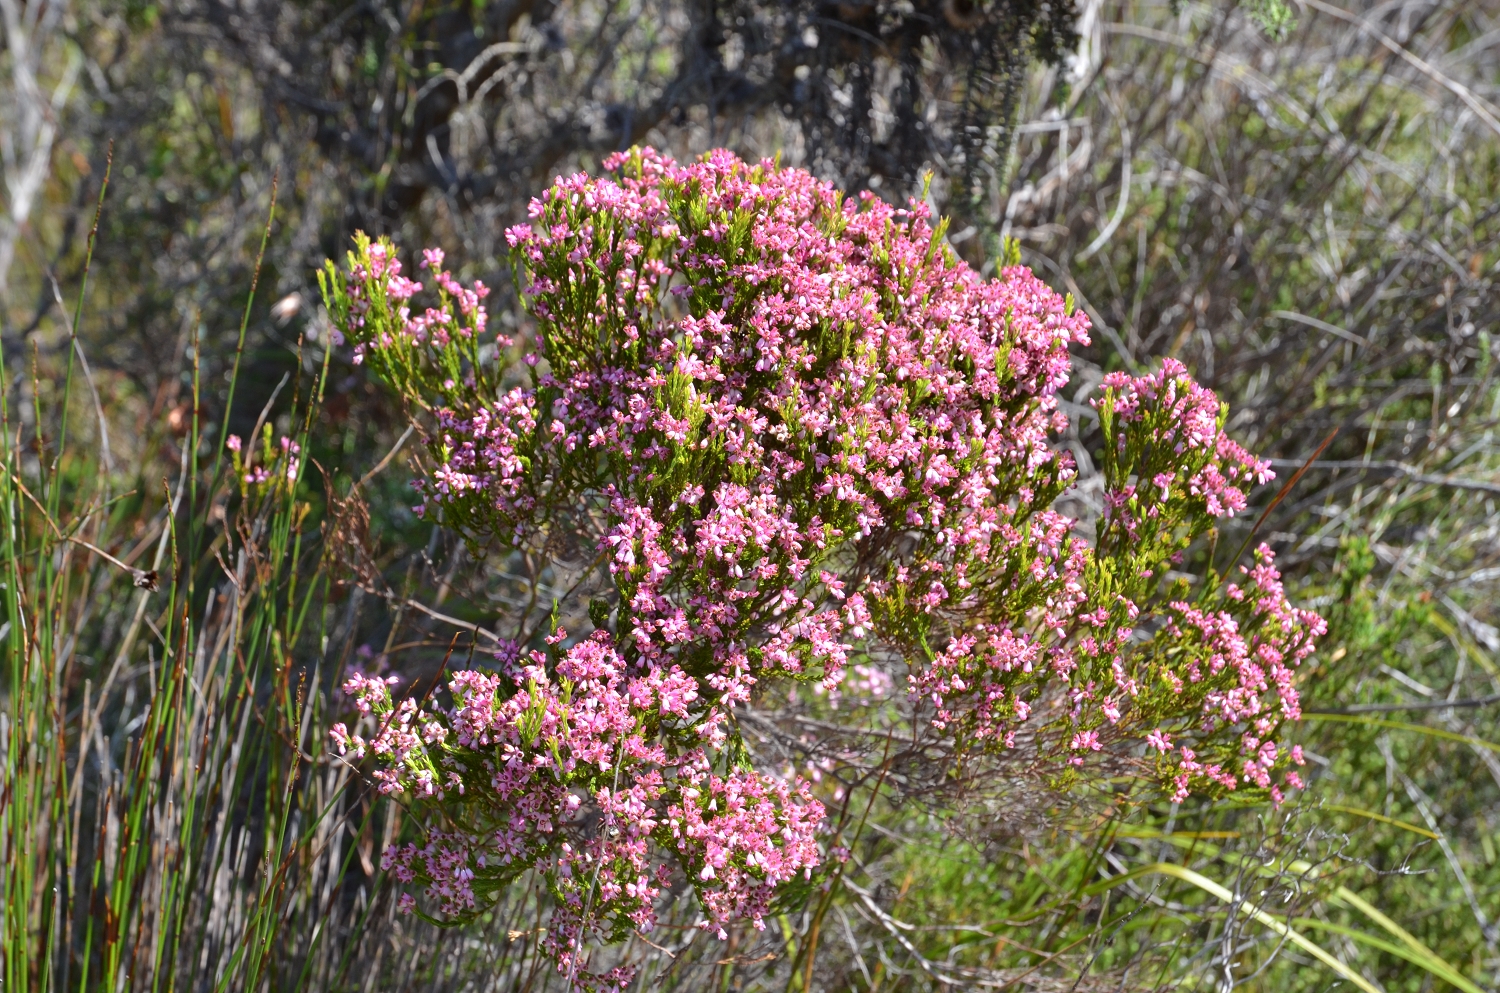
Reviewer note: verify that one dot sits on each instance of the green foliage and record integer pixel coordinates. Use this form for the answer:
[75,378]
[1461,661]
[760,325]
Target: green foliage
[1275,17]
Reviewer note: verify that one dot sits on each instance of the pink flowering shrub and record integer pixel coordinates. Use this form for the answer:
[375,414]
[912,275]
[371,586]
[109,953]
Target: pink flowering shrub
[805,440]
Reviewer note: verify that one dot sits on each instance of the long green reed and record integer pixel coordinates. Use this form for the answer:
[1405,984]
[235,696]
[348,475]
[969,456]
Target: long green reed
[168,820]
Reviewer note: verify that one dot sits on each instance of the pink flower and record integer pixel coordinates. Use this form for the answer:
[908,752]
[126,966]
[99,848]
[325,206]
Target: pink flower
[1085,741]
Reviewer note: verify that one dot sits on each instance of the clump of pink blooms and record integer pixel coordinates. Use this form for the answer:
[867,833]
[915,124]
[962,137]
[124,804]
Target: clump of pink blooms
[274,465]
[816,440]
[559,739]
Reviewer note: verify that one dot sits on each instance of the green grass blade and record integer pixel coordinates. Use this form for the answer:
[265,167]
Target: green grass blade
[1221,893]
[1430,963]
[1404,726]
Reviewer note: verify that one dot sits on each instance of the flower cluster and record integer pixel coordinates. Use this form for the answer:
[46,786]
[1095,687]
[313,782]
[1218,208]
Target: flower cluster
[1171,461]
[277,463]
[808,439]
[430,357]
[568,765]
[1234,667]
